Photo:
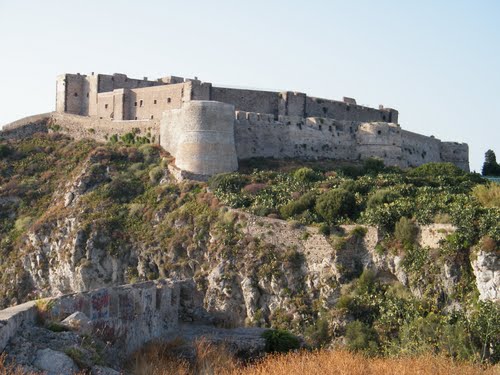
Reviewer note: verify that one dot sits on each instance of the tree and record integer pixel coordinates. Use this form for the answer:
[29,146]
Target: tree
[490,166]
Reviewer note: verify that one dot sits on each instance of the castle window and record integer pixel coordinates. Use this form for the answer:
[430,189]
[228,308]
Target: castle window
[330,128]
[379,132]
[320,127]
[135,118]
[87,95]
[383,117]
[154,101]
[325,110]
[105,106]
[347,108]
[141,103]
[151,117]
[76,94]
[169,100]
[135,104]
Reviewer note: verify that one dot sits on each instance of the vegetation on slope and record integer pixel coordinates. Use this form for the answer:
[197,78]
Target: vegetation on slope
[126,206]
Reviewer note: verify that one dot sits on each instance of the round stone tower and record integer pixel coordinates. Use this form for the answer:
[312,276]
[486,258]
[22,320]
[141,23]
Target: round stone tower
[200,136]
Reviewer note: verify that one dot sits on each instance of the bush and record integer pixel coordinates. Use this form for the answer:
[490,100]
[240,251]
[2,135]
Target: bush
[4,151]
[280,341]
[373,166]
[360,336]
[294,208]
[123,189]
[155,174]
[436,169]
[405,231]
[318,334]
[305,175]
[335,205]
[380,197]
[228,182]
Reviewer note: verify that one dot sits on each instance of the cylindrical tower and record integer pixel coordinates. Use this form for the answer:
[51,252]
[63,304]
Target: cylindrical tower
[200,136]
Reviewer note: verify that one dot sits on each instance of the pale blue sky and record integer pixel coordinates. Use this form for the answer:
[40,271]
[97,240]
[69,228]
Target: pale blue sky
[437,62]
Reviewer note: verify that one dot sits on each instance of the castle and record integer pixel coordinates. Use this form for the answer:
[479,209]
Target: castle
[207,128]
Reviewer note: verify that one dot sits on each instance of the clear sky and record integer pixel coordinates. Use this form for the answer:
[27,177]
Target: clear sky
[437,62]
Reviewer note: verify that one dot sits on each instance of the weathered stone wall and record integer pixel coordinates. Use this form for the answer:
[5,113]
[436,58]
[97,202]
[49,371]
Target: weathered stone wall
[127,315]
[200,136]
[248,100]
[26,127]
[456,153]
[418,149]
[259,135]
[79,127]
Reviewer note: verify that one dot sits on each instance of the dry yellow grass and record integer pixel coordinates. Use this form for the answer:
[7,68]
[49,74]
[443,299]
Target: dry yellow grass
[346,363]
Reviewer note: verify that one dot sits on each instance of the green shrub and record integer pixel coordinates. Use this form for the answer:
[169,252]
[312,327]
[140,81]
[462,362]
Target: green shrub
[405,231]
[361,337]
[305,175]
[280,341]
[318,334]
[155,174]
[123,189]
[5,151]
[373,166]
[335,205]
[298,206]
[436,169]
[324,229]
[228,182]
[380,197]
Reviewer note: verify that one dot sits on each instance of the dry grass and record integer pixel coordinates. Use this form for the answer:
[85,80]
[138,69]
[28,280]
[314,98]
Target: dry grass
[163,359]
[213,359]
[343,362]
[488,195]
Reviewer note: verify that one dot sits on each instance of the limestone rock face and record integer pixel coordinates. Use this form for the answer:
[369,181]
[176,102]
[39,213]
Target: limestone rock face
[54,362]
[487,271]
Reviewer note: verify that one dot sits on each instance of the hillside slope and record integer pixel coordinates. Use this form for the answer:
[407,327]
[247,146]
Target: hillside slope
[77,215]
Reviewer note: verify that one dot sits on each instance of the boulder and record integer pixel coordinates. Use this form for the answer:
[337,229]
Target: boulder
[54,362]
[78,321]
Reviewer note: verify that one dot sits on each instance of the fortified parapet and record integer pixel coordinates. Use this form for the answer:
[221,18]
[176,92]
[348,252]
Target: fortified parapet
[200,135]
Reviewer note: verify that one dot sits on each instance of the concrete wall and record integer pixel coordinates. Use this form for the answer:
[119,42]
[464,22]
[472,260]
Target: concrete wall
[200,136]
[127,316]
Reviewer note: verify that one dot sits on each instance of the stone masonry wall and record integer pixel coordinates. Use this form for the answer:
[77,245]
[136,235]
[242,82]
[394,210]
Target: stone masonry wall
[260,135]
[126,315]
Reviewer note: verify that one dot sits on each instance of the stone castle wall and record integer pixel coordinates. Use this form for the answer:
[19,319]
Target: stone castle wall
[80,127]
[260,135]
[120,97]
[201,137]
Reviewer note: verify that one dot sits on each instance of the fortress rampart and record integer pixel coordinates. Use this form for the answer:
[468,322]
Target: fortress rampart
[208,128]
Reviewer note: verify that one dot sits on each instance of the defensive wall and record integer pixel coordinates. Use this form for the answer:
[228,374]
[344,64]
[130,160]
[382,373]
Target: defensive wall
[122,98]
[207,128]
[127,315]
[80,127]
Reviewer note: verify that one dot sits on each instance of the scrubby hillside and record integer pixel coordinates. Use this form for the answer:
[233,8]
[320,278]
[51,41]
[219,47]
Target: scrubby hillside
[358,261]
